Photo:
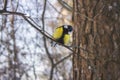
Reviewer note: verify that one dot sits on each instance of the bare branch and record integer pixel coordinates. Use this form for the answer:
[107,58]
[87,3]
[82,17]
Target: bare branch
[2,12]
[65,5]
[33,24]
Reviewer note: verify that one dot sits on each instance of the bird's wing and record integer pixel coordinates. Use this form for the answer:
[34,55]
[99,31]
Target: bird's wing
[58,33]
[66,39]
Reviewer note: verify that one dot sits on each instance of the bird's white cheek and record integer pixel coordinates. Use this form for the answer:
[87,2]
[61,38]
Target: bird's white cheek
[66,26]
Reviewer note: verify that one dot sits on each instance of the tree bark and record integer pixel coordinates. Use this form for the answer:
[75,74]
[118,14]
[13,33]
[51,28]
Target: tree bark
[97,31]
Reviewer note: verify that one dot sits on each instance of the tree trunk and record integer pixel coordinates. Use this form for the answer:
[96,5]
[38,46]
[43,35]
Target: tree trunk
[97,37]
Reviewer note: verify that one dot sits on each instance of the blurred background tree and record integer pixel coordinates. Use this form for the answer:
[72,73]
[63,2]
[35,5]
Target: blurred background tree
[24,53]
[97,32]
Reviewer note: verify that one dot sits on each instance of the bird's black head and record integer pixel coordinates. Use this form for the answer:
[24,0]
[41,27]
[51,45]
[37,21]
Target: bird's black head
[68,27]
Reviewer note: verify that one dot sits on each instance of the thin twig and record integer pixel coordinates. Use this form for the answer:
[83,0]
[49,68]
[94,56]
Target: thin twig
[62,60]
[44,38]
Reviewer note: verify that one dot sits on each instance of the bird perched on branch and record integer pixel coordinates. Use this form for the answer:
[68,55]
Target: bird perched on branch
[62,34]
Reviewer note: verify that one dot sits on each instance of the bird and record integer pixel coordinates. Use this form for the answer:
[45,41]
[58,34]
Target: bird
[62,34]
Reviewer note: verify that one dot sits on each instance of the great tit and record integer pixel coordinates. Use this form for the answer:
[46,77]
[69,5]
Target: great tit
[62,34]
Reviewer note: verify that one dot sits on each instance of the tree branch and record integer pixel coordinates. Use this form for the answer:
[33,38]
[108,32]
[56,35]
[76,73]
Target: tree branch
[66,57]
[65,5]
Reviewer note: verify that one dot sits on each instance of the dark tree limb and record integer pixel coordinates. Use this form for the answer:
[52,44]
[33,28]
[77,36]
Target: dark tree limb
[5,5]
[44,39]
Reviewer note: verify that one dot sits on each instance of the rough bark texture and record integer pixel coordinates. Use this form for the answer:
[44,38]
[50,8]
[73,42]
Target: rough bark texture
[97,30]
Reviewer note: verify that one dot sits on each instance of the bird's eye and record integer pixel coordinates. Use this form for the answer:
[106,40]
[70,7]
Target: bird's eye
[70,29]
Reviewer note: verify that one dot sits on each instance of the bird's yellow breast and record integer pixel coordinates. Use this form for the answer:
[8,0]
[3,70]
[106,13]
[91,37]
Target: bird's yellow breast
[66,39]
[58,33]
